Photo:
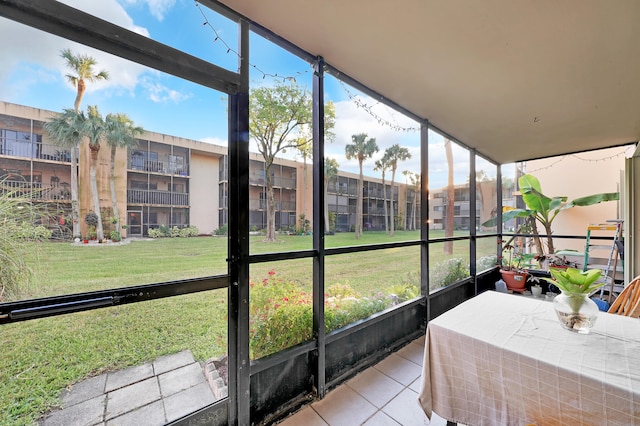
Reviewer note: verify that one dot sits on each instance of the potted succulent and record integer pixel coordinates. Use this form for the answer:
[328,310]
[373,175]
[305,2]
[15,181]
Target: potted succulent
[575,310]
[513,268]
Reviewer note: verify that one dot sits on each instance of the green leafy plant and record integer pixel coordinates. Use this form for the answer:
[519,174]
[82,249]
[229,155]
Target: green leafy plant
[447,272]
[281,312]
[516,260]
[403,292]
[223,230]
[544,209]
[17,249]
[115,236]
[575,281]
[575,284]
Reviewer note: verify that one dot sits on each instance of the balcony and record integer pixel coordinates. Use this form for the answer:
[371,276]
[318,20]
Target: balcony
[36,190]
[34,151]
[163,198]
[260,204]
[161,166]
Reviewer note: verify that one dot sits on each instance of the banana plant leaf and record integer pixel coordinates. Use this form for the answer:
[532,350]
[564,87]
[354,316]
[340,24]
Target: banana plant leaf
[545,208]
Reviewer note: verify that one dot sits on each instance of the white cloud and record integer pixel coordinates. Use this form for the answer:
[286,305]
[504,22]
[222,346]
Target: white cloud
[157,8]
[37,53]
[160,93]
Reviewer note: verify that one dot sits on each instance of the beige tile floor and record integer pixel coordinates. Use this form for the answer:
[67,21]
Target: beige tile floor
[383,395]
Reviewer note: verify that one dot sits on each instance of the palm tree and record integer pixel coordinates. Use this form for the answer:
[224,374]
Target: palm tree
[82,66]
[393,154]
[120,133]
[94,129]
[414,179]
[382,165]
[65,130]
[330,171]
[361,148]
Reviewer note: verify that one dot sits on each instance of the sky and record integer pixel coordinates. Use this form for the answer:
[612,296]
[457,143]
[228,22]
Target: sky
[33,74]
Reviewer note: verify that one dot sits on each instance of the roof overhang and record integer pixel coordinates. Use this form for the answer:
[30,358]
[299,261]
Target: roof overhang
[513,80]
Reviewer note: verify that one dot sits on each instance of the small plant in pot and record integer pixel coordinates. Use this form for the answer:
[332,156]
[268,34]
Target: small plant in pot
[575,310]
[514,266]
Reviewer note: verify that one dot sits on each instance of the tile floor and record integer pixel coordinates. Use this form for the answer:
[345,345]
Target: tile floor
[385,394]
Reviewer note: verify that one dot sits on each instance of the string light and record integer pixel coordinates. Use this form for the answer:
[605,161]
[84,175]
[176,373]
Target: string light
[218,38]
[368,109]
[588,160]
[356,99]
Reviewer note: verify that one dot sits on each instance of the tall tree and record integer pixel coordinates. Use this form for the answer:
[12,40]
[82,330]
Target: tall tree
[361,148]
[451,192]
[94,129]
[277,117]
[382,165]
[414,180]
[120,132]
[330,171]
[394,154]
[82,67]
[304,142]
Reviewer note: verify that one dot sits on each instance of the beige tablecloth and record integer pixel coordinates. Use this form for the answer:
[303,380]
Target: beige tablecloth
[502,359]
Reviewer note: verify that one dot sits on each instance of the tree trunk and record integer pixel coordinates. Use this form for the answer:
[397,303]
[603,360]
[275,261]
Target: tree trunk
[112,184]
[271,209]
[75,208]
[386,211]
[94,194]
[449,221]
[392,211]
[414,206]
[359,204]
[327,225]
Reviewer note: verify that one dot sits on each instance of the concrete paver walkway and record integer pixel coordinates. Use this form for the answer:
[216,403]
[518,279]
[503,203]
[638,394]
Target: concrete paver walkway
[150,394]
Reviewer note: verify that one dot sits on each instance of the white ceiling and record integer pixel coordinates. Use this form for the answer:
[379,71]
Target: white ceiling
[515,79]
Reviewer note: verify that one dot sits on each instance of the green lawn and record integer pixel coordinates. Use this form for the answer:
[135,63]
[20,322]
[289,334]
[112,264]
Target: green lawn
[42,357]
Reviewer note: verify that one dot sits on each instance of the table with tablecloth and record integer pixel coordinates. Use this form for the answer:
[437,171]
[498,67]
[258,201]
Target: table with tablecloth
[503,359]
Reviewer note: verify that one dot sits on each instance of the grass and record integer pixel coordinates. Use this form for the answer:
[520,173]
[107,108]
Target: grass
[42,357]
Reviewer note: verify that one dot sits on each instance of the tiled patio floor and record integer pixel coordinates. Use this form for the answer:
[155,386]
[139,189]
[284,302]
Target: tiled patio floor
[383,395]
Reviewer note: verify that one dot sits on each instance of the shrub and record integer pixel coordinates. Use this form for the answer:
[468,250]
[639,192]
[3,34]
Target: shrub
[281,313]
[403,292]
[91,219]
[155,233]
[17,234]
[223,230]
[448,272]
[190,231]
[115,236]
[340,291]
[486,262]
[175,232]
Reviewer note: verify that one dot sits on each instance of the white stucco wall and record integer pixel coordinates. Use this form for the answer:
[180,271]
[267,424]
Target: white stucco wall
[204,191]
[577,176]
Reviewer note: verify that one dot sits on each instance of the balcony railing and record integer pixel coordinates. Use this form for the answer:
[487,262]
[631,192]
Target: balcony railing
[35,190]
[165,198]
[278,182]
[256,204]
[163,166]
[35,151]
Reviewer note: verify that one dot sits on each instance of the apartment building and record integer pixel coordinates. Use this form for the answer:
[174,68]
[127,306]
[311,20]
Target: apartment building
[172,181]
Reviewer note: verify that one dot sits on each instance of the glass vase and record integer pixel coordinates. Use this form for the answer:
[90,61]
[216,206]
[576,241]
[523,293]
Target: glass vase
[576,311]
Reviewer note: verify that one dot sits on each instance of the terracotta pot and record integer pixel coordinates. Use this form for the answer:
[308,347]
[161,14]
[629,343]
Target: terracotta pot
[515,280]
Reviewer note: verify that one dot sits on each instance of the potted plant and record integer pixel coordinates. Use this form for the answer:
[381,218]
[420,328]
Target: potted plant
[575,310]
[513,268]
